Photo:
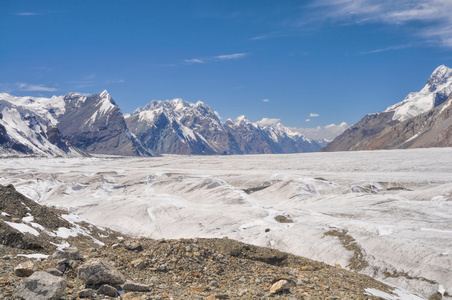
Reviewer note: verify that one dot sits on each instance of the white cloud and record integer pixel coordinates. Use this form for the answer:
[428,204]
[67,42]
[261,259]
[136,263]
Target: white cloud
[268,122]
[231,56]
[328,132]
[194,60]
[313,115]
[308,120]
[25,14]
[265,100]
[26,87]
[433,15]
[216,58]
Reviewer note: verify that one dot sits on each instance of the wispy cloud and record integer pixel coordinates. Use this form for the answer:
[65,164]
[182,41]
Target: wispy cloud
[265,100]
[434,15]
[194,60]
[216,58]
[230,56]
[313,115]
[308,120]
[26,14]
[27,87]
[390,48]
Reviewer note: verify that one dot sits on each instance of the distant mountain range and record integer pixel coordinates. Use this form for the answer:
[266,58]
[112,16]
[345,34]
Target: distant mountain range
[422,119]
[74,125]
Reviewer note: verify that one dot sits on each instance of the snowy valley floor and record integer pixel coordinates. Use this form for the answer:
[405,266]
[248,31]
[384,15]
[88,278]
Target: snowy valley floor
[387,214]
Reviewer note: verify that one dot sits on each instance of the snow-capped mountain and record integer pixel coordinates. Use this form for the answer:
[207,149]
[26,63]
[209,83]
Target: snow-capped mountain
[434,93]
[250,137]
[64,126]
[179,127]
[395,121]
[289,141]
[28,125]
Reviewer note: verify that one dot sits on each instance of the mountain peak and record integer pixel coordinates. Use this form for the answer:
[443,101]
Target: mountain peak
[442,75]
[435,92]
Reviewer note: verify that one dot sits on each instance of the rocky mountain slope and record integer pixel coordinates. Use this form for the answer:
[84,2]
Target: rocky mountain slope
[51,254]
[420,120]
[96,125]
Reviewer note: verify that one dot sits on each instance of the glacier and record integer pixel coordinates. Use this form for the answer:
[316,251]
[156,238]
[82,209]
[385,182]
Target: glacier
[384,213]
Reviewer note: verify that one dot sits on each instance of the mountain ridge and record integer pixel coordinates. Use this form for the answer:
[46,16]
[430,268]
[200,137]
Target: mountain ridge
[75,125]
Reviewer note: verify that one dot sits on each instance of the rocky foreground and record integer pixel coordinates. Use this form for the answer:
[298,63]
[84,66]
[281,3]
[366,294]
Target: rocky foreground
[49,254]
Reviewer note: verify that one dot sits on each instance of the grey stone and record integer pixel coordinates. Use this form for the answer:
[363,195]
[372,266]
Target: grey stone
[86,293]
[98,271]
[107,290]
[133,245]
[71,253]
[131,286]
[41,286]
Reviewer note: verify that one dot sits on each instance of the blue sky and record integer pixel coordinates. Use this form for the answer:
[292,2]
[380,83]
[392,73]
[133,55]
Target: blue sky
[324,61]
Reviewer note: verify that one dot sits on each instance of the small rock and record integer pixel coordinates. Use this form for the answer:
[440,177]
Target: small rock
[283,219]
[133,246]
[54,272]
[139,263]
[114,246]
[279,286]
[24,269]
[41,286]
[213,283]
[7,257]
[198,289]
[107,290]
[131,286]
[267,229]
[16,220]
[86,293]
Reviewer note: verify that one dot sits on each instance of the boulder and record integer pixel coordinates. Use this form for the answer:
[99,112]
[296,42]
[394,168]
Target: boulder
[70,253]
[99,271]
[41,286]
[133,246]
[24,269]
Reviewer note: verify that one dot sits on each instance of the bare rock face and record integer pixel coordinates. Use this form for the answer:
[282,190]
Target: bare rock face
[41,286]
[99,271]
[96,125]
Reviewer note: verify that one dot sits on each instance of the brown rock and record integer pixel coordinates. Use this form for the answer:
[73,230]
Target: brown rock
[279,286]
[24,269]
